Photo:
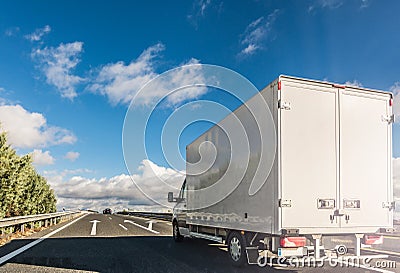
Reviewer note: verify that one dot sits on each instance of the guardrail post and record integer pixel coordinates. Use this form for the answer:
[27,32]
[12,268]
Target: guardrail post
[46,223]
[22,228]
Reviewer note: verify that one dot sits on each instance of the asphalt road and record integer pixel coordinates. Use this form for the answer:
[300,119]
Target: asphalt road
[126,244]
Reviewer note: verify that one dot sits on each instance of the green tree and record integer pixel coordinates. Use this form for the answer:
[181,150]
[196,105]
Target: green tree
[22,190]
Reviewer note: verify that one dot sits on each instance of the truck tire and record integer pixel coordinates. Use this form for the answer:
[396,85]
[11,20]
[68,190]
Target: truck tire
[175,232]
[237,248]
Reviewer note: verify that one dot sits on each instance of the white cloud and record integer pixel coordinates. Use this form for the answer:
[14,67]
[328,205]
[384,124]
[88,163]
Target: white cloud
[250,49]
[353,83]
[30,130]
[198,11]
[66,172]
[182,81]
[12,31]
[41,158]
[203,6]
[325,4]
[396,100]
[257,33]
[38,34]
[365,4]
[121,83]
[57,64]
[72,156]
[4,101]
[331,4]
[120,190]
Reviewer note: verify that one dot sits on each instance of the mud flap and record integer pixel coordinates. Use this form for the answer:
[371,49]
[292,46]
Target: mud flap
[252,254]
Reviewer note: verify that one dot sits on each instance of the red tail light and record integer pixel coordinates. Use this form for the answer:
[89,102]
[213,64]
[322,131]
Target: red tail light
[390,102]
[373,239]
[293,241]
[339,86]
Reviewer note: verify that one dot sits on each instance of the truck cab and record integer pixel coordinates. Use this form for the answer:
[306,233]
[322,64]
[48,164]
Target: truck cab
[179,226]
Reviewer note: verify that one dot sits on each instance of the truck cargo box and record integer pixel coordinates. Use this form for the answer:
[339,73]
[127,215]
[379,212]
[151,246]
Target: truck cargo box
[329,170]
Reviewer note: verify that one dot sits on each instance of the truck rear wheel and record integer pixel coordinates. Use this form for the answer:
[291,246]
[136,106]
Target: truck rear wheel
[175,232]
[237,248]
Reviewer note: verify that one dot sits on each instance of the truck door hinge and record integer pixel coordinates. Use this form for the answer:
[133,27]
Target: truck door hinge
[388,118]
[284,105]
[285,203]
[388,205]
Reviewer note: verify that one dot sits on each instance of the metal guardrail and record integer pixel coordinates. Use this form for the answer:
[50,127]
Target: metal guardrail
[46,219]
[152,215]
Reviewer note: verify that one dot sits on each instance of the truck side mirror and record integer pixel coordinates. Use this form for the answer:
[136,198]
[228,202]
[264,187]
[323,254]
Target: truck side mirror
[170,197]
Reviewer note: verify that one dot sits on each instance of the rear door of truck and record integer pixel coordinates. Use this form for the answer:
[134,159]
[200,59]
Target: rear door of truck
[309,131]
[365,158]
[335,156]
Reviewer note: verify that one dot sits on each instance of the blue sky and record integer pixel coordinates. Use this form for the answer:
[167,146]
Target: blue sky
[69,69]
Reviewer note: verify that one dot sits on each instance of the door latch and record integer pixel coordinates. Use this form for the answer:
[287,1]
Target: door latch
[284,105]
[388,118]
[388,205]
[285,203]
[339,213]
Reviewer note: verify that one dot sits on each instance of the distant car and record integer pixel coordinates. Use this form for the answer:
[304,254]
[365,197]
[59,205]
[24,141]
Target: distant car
[107,211]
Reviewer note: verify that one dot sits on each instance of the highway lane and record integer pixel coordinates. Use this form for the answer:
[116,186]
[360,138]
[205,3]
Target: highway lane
[391,247]
[120,246]
[110,226]
[391,243]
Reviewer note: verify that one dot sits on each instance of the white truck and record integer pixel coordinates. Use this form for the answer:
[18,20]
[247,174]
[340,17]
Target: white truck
[329,185]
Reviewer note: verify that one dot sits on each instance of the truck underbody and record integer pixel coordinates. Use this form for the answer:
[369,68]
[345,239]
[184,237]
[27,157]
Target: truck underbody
[260,248]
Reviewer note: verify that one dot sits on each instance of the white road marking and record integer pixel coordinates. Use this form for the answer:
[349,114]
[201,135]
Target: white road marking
[151,224]
[383,251]
[28,246]
[220,246]
[93,232]
[133,223]
[123,227]
[392,237]
[110,218]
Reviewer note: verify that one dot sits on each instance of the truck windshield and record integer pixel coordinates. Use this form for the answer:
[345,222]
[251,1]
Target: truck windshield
[183,189]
